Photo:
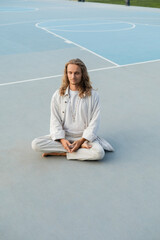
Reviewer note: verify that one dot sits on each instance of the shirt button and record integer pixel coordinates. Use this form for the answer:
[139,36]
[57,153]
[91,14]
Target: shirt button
[62,111]
[65,101]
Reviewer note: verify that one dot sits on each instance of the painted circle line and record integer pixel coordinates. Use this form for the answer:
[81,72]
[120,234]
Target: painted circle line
[55,28]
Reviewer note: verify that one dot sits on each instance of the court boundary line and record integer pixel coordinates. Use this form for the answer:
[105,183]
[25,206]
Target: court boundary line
[71,42]
[60,75]
[78,45]
[55,28]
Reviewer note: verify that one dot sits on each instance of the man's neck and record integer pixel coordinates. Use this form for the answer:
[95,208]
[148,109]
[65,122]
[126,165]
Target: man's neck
[73,87]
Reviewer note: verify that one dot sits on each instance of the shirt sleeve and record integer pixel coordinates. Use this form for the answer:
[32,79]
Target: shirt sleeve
[90,133]
[56,129]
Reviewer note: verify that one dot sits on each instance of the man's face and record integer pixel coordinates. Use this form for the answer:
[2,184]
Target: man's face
[74,74]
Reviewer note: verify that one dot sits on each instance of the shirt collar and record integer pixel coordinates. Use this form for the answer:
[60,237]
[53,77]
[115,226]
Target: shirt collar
[67,91]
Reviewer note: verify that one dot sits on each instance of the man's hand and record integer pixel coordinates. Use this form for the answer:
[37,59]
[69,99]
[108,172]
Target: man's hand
[81,143]
[86,145]
[66,144]
[78,144]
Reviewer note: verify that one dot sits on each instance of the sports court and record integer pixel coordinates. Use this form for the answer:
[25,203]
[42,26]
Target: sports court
[53,198]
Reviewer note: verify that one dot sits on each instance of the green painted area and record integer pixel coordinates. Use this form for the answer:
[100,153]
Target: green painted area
[142,3]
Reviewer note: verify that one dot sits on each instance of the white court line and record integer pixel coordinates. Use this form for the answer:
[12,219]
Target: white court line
[60,75]
[30,80]
[71,42]
[68,41]
[84,24]
[64,19]
[148,24]
[16,23]
[57,28]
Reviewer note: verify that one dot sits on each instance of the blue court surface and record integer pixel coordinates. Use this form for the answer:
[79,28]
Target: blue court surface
[125,42]
[53,198]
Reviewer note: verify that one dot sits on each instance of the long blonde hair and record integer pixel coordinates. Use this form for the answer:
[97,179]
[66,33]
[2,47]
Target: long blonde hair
[84,87]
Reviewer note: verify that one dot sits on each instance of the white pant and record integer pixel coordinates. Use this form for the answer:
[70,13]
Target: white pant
[47,145]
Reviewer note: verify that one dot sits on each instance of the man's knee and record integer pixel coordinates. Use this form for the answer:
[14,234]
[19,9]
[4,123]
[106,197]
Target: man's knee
[99,154]
[35,145]
[98,151]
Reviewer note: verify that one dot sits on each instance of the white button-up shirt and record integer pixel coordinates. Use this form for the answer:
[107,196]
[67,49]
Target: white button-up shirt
[88,108]
[75,115]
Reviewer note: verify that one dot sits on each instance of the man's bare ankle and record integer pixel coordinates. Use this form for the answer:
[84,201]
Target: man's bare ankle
[53,154]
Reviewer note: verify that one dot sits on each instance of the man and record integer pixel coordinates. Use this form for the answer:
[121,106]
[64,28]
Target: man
[75,116]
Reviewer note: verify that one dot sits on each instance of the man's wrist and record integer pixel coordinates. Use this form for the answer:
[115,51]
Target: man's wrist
[82,140]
